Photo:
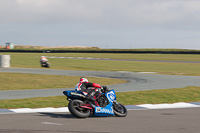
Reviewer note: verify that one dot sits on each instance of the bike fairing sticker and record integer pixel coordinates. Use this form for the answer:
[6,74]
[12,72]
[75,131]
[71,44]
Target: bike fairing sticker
[99,110]
[111,96]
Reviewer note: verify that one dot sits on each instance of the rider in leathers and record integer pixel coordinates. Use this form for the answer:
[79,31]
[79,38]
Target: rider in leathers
[83,86]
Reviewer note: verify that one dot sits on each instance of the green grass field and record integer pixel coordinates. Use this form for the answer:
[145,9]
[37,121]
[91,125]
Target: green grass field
[31,60]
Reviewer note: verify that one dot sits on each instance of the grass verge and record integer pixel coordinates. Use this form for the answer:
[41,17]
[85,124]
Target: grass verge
[22,81]
[31,60]
[187,94]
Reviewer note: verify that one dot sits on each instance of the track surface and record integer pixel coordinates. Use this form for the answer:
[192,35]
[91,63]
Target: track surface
[137,121]
[136,81]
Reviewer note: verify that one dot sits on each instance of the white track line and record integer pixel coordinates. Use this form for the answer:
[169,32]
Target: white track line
[129,107]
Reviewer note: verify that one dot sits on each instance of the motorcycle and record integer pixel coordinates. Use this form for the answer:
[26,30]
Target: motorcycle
[105,104]
[45,64]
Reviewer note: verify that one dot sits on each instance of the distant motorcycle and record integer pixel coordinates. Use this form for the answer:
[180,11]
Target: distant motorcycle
[105,104]
[44,64]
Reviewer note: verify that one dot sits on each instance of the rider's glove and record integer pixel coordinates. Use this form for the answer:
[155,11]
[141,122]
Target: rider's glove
[104,88]
[101,89]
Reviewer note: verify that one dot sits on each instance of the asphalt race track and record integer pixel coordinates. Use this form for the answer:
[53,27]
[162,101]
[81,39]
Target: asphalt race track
[136,81]
[137,121]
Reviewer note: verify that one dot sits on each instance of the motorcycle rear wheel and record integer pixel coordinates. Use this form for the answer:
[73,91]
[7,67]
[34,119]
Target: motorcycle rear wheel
[119,109]
[76,110]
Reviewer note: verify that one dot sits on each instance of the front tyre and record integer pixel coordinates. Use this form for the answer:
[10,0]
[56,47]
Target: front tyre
[76,110]
[47,65]
[119,109]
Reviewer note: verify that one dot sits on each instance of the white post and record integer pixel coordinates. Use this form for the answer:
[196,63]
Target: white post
[4,60]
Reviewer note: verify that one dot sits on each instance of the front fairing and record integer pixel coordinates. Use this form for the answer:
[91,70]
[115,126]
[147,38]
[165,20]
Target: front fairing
[108,110]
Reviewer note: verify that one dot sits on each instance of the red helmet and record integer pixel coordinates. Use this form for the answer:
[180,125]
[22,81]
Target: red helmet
[83,80]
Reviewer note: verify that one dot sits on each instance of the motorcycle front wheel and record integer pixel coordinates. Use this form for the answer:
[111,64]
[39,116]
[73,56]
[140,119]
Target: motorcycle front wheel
[76,110]
[47,65]
[119,109]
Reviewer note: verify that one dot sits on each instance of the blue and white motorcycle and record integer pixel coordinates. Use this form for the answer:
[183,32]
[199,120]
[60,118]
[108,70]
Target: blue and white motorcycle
[105,104]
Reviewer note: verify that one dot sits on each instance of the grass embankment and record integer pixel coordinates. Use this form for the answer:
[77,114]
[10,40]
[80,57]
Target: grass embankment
[187,94]
[31,60]
[16,81]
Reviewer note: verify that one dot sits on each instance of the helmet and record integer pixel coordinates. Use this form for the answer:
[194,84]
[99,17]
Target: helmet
[42,57]
[83,80]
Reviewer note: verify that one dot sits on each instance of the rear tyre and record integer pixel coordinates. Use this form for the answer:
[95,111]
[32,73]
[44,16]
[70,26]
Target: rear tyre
[76,110]
[119,109]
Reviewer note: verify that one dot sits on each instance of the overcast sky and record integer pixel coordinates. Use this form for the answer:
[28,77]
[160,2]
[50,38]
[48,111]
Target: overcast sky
[101,23]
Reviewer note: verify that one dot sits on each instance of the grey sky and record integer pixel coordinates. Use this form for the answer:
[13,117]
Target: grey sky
[101,23]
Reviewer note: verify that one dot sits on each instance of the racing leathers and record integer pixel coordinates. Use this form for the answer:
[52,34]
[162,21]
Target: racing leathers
[43,59]
[87,91]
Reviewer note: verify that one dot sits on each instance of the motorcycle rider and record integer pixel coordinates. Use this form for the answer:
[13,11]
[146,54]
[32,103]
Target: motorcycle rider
[83,86]
[43,59]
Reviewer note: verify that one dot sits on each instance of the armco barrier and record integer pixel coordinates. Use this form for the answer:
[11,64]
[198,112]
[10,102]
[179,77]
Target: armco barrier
[103,51]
